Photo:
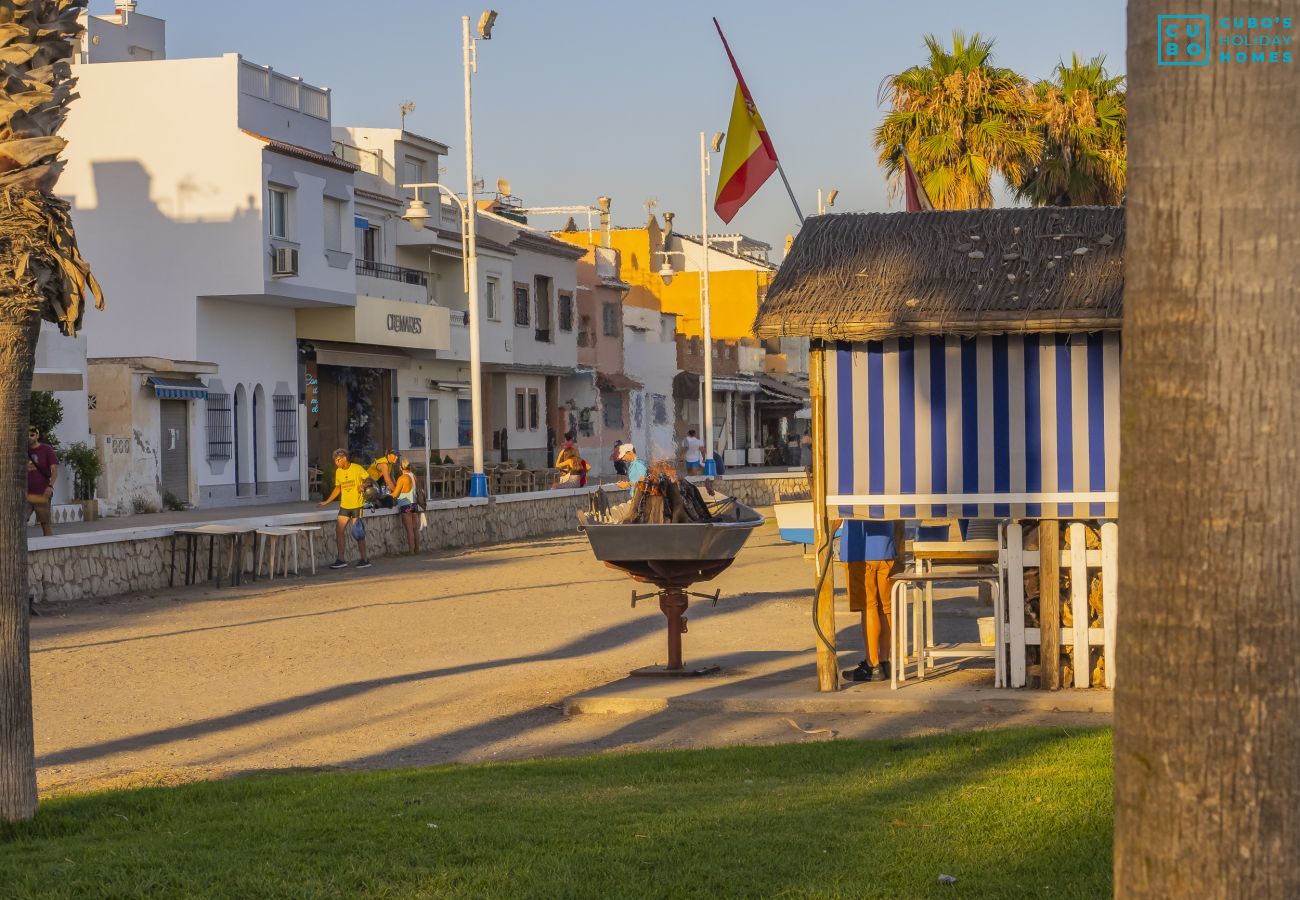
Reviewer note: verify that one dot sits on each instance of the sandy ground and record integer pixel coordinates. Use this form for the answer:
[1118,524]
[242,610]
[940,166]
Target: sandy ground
[448,658]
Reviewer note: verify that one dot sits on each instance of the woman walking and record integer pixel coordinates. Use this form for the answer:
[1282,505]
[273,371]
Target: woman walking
[408,510]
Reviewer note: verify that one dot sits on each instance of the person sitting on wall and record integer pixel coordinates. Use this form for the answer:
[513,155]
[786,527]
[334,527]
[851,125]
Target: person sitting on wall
[636,469]
[349,484]
[620,467]
[869,551]
[383,472]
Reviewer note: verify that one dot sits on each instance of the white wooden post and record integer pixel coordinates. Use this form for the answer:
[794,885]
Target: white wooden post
[1016,602]
[1079,601]
[1109,593]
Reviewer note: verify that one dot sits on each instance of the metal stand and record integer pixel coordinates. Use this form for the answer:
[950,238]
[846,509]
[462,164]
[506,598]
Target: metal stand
[673,601]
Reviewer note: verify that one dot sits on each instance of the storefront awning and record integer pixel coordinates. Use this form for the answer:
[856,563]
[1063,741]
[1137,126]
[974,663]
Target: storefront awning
[177,388]
[616,382]
[333,353]
[740,386]
[361,222]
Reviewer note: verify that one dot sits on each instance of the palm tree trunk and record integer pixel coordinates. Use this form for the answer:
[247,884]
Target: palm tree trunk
[18,333]
[1207,725]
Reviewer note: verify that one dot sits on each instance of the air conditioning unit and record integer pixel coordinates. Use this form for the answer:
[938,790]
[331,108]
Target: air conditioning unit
[285,261]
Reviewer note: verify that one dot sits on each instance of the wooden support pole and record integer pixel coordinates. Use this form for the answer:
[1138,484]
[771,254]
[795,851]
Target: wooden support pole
[1049,604]
[828,672]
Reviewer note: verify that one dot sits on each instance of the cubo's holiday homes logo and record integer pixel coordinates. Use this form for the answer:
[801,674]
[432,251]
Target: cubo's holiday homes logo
[1193,40]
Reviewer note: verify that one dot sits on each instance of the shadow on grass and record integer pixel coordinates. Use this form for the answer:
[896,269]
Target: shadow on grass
[1018,813]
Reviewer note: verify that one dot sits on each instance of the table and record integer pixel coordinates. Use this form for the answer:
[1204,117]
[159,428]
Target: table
[311,531]
[280,540]
[927,553]
[194,535]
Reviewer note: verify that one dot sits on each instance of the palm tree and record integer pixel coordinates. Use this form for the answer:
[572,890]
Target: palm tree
[1083,115]
[1207,723]
[42,276]
[961,119]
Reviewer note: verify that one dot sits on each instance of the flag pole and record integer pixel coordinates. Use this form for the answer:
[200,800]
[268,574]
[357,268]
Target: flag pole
[788,190]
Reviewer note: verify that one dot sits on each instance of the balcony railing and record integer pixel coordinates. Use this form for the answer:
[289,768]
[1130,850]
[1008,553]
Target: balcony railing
[291,93]
[392,273]
[370,161]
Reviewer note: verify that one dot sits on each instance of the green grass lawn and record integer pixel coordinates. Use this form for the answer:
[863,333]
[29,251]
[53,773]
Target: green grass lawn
[1017,813]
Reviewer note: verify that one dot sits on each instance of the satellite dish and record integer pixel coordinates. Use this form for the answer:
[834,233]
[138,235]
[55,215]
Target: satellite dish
[503,187]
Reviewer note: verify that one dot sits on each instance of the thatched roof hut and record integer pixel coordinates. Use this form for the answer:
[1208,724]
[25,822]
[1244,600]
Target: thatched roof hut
[986,271]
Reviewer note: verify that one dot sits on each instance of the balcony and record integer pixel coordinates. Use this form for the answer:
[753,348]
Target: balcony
[371,162]
[392,282]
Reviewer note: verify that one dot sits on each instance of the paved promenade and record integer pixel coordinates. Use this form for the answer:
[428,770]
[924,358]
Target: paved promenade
[463,656]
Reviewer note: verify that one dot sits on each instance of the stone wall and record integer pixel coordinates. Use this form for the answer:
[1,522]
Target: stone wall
[96,565]
[761,490]
[106,564]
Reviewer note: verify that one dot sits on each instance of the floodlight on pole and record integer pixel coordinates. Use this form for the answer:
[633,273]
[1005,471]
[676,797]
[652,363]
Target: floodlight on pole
[485,23]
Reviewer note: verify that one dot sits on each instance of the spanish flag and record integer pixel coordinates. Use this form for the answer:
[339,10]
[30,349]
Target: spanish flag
[749,158]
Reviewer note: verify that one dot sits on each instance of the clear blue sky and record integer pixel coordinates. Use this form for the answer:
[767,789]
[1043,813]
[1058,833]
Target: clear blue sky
[578,98]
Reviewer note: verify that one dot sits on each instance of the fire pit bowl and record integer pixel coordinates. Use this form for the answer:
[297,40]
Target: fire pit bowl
[672,557]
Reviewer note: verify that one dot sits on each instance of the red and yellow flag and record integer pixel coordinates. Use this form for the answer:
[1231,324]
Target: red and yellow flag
[749,158]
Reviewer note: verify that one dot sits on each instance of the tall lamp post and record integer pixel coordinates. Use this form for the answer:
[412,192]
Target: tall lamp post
[417,214]
[823,205]
[710,466]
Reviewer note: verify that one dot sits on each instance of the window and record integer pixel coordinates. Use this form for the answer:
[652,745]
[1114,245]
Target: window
[464,423]
[542,332]
[586,336]
[612,405]
[220,426]
[277,212]
[286,426]
[493,299]
[521,305]
[566,312]
[419,407]
[334,213]
[534,410]
[413,173]
[521,409]
[610,318]
[371,244]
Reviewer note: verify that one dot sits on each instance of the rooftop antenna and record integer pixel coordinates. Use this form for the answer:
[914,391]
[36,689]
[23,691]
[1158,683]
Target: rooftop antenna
[407,107]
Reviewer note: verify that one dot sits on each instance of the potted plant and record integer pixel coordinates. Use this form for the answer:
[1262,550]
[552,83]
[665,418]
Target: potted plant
[86,468]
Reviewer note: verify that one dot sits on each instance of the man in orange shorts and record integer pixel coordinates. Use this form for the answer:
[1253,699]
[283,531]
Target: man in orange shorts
[870,552]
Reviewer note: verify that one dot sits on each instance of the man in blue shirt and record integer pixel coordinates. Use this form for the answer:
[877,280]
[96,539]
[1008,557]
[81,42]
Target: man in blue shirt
[636,470]
[869,550]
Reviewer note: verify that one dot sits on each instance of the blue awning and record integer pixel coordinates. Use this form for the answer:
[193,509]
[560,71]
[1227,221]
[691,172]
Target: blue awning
[178,388]
[989,427]
[361,221]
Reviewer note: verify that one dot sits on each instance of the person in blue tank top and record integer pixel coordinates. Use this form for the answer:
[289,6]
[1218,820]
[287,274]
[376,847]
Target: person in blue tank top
[870,551]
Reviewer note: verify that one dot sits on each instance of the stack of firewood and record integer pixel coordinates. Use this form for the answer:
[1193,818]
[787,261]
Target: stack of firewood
[1033,591]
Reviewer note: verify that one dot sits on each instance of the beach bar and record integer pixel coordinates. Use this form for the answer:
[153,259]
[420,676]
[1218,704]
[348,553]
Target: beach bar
[967,365]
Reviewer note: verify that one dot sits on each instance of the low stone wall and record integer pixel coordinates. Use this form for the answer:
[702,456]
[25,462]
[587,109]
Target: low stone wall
[96,565]
[761,489]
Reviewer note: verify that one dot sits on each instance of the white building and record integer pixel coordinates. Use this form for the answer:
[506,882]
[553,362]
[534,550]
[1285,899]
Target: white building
[208,201]
[650,358]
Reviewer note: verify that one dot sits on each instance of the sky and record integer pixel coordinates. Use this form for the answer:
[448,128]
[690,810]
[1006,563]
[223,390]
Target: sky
[575,99]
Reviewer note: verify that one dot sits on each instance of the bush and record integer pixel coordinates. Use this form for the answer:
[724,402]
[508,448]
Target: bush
[172,502]
[46,413]
[86,467]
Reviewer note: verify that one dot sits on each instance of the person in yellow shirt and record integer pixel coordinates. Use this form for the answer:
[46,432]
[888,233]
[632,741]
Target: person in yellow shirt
[349,483]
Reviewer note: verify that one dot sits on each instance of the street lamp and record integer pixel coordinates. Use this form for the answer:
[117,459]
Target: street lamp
[478,480]
[830,201]
[710,466]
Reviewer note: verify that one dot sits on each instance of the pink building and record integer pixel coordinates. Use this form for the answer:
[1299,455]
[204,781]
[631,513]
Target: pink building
[600,349]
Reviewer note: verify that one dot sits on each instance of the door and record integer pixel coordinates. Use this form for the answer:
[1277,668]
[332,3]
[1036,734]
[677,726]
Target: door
[175,454]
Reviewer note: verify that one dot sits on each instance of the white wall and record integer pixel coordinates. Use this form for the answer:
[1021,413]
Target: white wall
[562,350]
[106,39]
[323,278]
[166,199]
[253,345]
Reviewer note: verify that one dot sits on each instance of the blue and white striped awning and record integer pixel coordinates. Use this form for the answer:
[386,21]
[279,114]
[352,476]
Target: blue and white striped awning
[178,388]
[986,427]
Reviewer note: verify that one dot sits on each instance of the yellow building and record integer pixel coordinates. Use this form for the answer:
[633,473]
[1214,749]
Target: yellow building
[739,274]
